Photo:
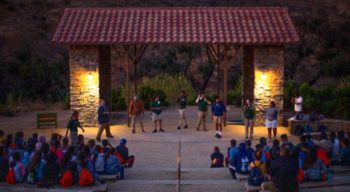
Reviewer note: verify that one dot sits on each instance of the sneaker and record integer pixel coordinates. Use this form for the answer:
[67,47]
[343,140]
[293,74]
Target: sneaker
[154,131]
[217,135]
[186,126]
[161,130]
[133,131]
[178,127]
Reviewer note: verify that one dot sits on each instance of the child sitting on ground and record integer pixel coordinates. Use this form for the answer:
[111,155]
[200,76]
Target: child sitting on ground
[217,158]
[257,170]
[113,165]
[123,154]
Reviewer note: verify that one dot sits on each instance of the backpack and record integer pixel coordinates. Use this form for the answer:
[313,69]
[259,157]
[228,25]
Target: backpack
[31,178]
[298,130]
[322,129]
[40,171]
[67,179]
[307,129]
[255,175]
[244,164]
[85,178]
[10,177]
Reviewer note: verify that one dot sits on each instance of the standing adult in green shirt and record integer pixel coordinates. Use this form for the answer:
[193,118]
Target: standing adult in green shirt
[202,110]
[249,118]
[72,127]
[182,102]
[156,114]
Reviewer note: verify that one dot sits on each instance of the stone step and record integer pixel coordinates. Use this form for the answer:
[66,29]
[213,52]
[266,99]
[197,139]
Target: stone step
[21,187]
[170,185]
[171,173]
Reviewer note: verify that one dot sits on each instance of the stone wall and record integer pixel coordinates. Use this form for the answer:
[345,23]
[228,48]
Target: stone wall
[84,82]
[269,79]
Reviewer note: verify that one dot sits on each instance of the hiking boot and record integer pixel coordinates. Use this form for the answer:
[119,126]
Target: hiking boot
[186,126]
[178,127]
[161,130]
[154,131]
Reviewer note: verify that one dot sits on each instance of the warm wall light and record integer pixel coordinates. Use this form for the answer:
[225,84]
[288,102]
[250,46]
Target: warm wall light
[263,76]
[90,76]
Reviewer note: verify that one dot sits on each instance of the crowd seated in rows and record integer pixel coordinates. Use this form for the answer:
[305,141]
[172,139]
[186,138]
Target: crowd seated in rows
[43,163]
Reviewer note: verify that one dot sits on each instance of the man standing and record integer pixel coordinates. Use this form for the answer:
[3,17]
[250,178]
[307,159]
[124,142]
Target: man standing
[157,114]
[249,115]
[103,120]
[182,102]
[202,110]
[136,111]
[218,111]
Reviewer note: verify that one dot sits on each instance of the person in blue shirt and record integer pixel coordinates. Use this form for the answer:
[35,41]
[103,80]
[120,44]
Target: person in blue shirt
[218,111]
[103,120]
[232,155]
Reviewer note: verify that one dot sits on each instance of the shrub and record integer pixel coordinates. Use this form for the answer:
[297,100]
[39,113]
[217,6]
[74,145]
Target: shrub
[10,105]
[117,100]
[171,85]
[234,96]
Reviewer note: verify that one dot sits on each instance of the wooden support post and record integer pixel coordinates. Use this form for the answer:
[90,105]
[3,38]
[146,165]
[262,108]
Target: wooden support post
[225,79]
[127,90]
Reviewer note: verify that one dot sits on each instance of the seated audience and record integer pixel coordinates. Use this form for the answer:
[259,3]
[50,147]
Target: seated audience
[232,155]
[217,158]
[283,173]
[123,154]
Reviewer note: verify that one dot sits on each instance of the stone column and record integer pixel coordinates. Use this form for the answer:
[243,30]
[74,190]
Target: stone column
[269,79]
[84,82]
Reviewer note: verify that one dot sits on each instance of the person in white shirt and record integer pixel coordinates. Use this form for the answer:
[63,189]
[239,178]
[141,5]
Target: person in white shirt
[298,105]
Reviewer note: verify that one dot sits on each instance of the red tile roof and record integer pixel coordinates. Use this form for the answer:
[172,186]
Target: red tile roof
[203,25]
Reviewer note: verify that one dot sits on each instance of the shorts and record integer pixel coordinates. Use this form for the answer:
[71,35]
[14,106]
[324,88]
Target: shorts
[271,123]
[156,117]
[217,119]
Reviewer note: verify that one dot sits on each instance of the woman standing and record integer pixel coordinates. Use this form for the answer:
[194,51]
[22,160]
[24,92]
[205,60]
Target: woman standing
[249,118]
[271,119]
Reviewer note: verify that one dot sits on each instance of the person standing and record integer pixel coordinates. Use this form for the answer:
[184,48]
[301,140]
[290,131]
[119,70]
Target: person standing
[181,103]
[157,114]
[136,111]
[249,118]
[298,106]
[103,120]
[218,110]
[72,127]
[202,110]
[271,119]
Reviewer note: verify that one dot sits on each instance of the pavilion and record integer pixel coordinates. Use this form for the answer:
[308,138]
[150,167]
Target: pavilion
[92,34]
